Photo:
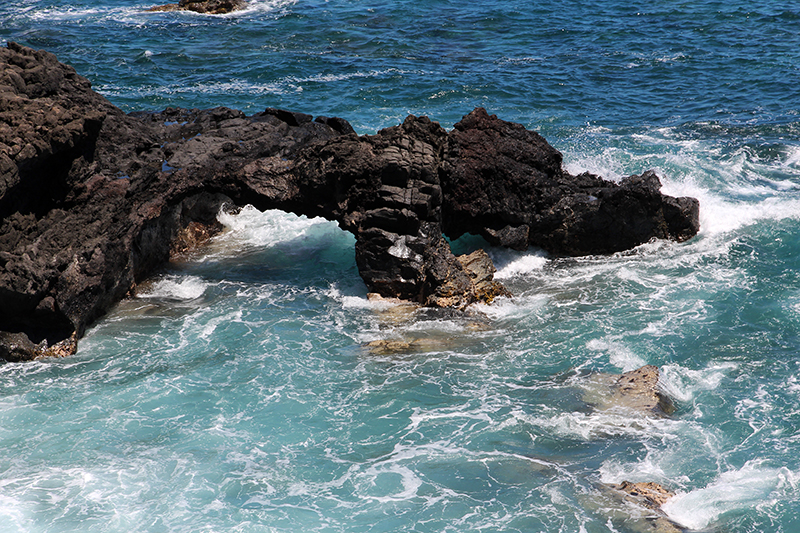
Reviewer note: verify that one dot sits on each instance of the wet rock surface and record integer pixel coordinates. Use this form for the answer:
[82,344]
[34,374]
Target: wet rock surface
[636,507]
[507,184]
[649,494]
[636,391]
[211,7]
[93,200]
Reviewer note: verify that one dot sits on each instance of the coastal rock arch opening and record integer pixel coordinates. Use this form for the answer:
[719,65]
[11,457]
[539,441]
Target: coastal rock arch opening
[271,244]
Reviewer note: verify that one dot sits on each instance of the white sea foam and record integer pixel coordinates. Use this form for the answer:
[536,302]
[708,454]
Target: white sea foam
[241,87]
[521,306]
[175,288]
[230,87]
[210,326]
[13,515]
[74,14]
[140,14]
[355,301]
[252,228]
[597,425]
[383,483]
[331,78]
[606,164]
[792,158]
[682,383]
[719,215]
[647,469]
[620,355]
[752,486]
[261,7]
[510,264]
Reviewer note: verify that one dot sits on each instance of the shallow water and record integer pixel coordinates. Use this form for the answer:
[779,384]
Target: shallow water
[235,391]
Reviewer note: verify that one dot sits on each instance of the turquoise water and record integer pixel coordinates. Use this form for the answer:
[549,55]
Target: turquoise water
[236,392]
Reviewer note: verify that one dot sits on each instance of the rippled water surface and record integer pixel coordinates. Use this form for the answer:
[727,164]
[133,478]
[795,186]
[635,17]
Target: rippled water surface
[237,391]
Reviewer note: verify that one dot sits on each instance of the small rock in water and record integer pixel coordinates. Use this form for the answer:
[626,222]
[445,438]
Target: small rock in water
[394,311]
[633,507]
[636,390]
[481,270]
[192,237]
[391,347]
[651,495]
[211,7]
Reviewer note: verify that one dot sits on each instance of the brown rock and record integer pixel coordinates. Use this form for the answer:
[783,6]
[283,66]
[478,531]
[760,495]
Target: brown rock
[481,270]
[632,507]
[649,494]
[63,348]
[165,7]
[639,390]
[635,391]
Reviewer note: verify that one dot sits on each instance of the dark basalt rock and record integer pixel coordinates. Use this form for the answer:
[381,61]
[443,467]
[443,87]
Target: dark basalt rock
[211,7]
[507,184]
[92,200]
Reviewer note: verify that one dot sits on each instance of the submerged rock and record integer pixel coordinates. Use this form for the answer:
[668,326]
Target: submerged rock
[92,200]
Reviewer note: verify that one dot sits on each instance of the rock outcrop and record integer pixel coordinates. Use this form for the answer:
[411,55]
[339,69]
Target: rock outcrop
[92,200]
[637,507]
[636,391]
[648,494]
[507,184]
[211,7]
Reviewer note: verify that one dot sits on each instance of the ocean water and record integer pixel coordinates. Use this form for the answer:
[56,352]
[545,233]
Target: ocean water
[236,391]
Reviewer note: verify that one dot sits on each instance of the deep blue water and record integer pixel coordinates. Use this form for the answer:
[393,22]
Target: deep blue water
[235,392]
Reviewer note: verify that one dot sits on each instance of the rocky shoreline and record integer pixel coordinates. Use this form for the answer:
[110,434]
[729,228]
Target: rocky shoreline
[93,200]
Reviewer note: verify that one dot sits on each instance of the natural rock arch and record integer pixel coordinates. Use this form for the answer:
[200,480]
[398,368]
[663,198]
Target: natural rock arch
[120,189]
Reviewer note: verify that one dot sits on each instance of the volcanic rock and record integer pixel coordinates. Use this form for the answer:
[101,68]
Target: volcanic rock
[507,184]
[92,200]
[481,270]
[211,7]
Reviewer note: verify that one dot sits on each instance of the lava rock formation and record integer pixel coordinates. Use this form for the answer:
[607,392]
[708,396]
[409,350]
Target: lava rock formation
[93,200]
